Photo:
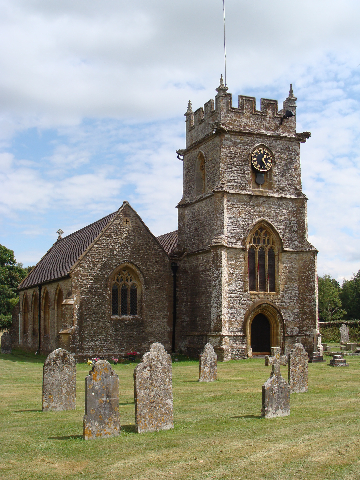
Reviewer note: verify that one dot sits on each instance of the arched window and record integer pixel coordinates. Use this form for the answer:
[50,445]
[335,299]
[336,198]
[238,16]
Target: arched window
[46,313]
[25,314]
[200,174]
[59,301]
[125,293]
[35,313]
[262,254]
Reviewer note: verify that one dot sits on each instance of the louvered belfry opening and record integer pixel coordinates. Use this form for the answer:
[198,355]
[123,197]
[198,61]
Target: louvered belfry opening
[262,261]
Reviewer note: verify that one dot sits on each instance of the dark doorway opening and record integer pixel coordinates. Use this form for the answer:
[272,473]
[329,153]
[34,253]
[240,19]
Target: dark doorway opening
[260,335]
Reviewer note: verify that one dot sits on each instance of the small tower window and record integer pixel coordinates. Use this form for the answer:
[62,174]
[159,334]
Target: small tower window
[200,174]
[262,261]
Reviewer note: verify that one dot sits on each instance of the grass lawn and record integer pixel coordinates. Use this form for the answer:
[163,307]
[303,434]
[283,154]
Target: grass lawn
[218,432]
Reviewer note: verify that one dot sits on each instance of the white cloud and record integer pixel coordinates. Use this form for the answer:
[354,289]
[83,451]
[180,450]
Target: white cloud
[112,80]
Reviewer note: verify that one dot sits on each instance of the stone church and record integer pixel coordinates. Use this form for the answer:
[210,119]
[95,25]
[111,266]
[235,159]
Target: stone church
[239,272]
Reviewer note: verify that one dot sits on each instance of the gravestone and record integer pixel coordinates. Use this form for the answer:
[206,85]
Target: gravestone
[344,334]
[101,417]
[153,391]
[351,347]
[275,391]
[298,369]
[208,364]
[59,381]
[338,361]
[318,351]
[6,343]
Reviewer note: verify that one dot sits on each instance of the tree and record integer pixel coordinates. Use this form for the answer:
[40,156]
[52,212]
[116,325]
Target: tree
[11,274]
[350,296]
[330,305]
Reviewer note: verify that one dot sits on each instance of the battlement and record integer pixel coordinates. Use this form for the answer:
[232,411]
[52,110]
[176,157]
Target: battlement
[244,118]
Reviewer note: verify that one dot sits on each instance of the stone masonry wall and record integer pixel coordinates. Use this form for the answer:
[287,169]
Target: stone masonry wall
[126,241]
[29,340]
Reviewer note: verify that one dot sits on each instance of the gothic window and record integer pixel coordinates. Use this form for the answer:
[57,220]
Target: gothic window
[262,261]
[25,314]
[125,293]
[46,313]
[59,301]
[35,314]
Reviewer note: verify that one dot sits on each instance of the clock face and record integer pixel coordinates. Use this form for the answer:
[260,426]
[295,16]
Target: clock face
[261,159]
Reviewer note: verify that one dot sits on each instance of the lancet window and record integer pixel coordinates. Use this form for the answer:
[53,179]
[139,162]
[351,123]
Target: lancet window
[125,293]
[35,313]
[25,315]
[262,255]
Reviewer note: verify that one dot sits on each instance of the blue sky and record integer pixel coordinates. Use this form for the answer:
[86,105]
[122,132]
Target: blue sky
[92,97]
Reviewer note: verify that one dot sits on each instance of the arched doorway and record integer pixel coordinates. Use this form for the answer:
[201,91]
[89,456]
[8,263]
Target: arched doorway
[260,334]
[264,328]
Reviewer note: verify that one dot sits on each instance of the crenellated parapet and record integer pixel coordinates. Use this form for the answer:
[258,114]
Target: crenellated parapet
[220,115]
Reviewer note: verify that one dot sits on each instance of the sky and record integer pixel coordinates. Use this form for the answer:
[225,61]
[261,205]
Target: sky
[93,95]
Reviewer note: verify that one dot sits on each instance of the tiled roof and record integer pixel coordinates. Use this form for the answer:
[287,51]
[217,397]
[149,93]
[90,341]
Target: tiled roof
[65,252]
[168,241]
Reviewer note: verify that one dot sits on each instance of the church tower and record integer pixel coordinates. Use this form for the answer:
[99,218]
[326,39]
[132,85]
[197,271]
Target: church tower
[247,273]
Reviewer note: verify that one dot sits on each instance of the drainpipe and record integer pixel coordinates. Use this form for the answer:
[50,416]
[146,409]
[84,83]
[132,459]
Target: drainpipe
[39,322]
[174,268]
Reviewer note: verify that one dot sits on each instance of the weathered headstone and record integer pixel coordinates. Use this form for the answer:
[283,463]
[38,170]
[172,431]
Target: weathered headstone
[208,364]
[6,343]
[338,361]
[298,369]
[101,417]
[59,381]
[318,351]
[275,391]
[344,334]
[153,391]
[351,347]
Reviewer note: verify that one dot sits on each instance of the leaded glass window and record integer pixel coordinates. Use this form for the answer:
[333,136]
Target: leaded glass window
[262,261]
[125,293]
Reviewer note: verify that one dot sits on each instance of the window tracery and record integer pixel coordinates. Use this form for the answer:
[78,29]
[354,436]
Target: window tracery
[262,253]
[125,293]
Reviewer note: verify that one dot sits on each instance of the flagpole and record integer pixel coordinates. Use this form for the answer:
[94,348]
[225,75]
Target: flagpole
[224,43]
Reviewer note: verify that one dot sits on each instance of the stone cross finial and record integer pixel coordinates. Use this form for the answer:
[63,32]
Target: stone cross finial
[59,232]
[276,360]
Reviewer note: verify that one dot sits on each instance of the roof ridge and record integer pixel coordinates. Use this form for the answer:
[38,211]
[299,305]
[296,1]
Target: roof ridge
[86,226]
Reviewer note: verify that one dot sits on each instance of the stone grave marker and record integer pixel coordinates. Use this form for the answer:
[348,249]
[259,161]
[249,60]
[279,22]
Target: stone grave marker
[298,369]
[338,361]
[59,381]
[153,391]
[275,391]
[101,417]
[318,350]
[208,364]
[6,343]
[344,334]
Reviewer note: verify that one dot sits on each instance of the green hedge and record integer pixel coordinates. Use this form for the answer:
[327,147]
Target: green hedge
[5,322]
[331,333]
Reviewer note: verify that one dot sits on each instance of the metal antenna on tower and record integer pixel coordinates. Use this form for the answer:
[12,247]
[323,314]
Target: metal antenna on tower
[224,42]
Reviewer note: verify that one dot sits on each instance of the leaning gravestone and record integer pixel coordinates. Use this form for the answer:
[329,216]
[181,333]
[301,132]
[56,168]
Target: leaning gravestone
[101,417]
[275,391]
[153,391]
[344,334]
[6,343]
[298,369]
[208,364]
[59,381]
